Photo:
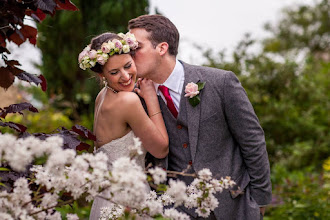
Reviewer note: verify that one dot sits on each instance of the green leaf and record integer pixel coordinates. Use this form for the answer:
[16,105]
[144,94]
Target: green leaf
[201,85]
[4,169]
[161,188]
[194,101]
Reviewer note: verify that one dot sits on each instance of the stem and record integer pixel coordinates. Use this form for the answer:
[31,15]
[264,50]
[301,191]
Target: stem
[175,173]
[54,206]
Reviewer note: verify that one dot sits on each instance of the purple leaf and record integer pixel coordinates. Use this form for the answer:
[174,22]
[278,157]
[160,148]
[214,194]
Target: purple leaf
[17,108]
[29,78]
[46,5]
[84,132]
[12,125]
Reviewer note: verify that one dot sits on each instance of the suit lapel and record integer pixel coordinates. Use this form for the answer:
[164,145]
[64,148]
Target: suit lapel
[193,113]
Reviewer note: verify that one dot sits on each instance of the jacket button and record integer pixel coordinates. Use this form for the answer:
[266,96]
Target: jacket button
[179,126]
[190,162]
[185,145]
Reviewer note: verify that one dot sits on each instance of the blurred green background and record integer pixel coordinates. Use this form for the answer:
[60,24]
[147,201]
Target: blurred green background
[287,82]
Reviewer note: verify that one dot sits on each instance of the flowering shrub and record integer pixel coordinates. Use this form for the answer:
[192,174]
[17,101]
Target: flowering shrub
[63,172]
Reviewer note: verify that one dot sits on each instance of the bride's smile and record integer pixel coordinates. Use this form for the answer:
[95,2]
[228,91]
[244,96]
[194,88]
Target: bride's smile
[120,72]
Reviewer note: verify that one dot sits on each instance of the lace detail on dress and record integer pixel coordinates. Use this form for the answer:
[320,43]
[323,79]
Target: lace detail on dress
[115,149]
[121,148]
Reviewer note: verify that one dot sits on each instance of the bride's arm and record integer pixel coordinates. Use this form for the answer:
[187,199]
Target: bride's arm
[148,93]
[151,131]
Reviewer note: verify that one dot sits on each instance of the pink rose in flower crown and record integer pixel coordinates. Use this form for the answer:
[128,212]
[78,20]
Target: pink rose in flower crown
[82,55]
[118,44]
[105,48]
[132,43]
[92,54]
[191,90]
[100,59]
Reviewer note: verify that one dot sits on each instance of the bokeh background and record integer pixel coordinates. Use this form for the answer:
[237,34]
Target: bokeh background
[280,50]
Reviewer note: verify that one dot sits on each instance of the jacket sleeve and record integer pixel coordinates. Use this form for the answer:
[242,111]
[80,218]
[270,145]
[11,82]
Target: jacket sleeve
[247,132]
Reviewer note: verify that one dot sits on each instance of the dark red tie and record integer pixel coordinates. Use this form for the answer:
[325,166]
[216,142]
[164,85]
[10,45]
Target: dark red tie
[169,100]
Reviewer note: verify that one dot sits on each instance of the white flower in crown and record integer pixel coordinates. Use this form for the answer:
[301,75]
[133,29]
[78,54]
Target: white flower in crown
[125,48]
[122,35]
[111,45]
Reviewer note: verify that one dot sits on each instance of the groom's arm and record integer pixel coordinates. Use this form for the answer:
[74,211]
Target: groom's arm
[245,128]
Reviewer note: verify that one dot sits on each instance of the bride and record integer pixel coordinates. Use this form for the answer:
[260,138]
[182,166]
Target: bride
[119,115]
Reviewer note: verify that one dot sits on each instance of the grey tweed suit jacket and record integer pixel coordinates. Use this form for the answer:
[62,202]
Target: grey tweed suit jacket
[226,137]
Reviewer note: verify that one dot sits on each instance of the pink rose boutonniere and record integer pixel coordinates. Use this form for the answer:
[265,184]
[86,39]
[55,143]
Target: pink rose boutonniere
[192,91]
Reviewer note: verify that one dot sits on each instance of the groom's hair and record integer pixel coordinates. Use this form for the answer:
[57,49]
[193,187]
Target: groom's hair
[161,29]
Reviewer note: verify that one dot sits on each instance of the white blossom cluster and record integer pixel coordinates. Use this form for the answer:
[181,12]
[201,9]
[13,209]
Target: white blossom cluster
[125,183]
[19,153]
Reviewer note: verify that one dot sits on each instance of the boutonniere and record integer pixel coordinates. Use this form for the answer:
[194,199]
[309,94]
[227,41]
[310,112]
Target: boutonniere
[192,91]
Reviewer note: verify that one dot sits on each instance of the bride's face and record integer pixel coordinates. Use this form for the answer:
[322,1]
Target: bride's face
[120,72]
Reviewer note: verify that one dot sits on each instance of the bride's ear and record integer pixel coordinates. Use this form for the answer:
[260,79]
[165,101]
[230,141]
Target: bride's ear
[162,48]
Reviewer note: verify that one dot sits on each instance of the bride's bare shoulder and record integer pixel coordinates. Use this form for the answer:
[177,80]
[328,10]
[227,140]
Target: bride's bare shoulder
[122,102]
[128,98]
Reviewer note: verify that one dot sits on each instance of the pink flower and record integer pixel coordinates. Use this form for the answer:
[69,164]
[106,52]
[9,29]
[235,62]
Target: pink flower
[105,48]
[81,55]
[92,54]
[133,44]
[118,44]
[100,59]
[191,90]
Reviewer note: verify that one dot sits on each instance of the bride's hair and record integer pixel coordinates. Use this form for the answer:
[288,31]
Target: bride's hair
[96,44]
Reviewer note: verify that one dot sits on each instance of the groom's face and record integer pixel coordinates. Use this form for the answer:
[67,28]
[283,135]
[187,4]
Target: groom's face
[146,56]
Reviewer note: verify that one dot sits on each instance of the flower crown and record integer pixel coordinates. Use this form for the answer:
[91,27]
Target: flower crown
[88,58]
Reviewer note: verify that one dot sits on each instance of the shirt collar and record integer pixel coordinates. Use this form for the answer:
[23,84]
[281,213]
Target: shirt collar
[173,81]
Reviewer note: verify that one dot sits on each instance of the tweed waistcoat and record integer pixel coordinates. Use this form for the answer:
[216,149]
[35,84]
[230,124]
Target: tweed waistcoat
[179,152]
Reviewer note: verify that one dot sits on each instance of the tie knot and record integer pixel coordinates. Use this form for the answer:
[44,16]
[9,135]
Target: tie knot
[164,90]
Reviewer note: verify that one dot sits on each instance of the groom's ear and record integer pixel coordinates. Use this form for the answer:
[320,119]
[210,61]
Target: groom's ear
[162,48]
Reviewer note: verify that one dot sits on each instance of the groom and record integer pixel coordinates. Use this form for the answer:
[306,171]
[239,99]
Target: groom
[221,132]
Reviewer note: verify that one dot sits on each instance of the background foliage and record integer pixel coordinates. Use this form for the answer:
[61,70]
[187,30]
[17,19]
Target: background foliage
[288,84]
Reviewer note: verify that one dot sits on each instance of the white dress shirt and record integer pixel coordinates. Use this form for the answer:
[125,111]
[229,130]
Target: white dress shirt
[174,83]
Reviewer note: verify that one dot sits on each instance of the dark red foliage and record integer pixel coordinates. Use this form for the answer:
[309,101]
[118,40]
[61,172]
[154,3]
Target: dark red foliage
[66,5]
[13,29]
[43,82]
[17,108]
[83,132]
[15,126]
[70,138]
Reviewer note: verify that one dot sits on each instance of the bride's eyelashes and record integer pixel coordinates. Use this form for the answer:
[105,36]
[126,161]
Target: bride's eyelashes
[128,66]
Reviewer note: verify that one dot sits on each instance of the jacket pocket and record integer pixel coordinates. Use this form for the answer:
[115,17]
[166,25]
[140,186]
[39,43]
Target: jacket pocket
[211,118]
[241,183]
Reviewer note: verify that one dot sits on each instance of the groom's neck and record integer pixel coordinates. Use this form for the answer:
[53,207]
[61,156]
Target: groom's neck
[165,69]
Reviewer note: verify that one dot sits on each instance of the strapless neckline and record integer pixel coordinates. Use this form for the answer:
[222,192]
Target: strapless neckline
[129,135]
[121,147]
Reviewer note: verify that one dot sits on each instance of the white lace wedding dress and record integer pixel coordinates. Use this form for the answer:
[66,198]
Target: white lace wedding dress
[114,150]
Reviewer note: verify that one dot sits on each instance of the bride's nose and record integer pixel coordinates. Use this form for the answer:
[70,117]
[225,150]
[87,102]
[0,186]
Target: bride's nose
[125,75]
